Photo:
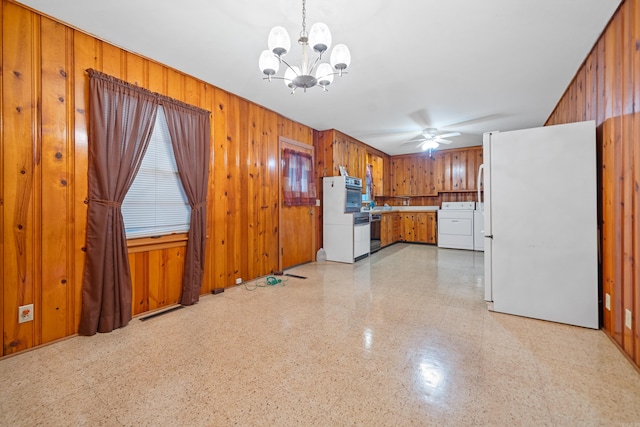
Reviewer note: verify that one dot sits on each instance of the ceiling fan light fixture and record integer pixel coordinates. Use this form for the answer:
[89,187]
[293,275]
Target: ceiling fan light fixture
[317,40]
[430,145]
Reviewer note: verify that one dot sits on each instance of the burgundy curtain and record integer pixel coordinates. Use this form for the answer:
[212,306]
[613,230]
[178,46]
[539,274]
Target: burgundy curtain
[120,125]
[190,130]
[299,184]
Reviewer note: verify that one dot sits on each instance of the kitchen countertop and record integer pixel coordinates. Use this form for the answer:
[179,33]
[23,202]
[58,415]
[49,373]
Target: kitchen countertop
[380,209]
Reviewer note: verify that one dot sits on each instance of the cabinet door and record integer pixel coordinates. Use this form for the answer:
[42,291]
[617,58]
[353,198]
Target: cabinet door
[377,170]
[386,230]
[397,229]
[432,228]
[408,228]
[421,227]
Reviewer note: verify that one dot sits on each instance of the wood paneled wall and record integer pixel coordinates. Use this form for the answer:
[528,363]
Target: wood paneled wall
[606,89]
[43,167]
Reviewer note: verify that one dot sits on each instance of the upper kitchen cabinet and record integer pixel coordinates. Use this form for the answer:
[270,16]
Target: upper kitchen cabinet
[413,175]
[377,171]
[335,149]
[457,169]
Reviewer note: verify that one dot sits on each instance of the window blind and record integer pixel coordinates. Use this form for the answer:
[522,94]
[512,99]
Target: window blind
[156,203]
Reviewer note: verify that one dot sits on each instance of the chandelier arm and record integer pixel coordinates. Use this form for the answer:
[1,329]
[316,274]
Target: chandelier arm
[313,66]
[290,67]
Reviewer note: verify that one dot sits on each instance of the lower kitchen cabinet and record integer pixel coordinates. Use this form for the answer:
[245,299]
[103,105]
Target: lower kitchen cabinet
[416,227]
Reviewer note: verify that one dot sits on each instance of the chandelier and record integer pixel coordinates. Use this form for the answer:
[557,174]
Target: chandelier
[310,72]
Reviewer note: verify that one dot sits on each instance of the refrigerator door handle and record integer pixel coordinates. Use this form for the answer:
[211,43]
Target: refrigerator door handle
[490,236]
[480,170]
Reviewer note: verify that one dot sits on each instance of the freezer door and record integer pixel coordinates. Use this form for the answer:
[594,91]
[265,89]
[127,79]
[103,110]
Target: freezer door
[543,218]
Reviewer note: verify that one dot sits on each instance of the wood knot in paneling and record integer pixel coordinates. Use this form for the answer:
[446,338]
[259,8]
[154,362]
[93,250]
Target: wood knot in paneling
[63,73]
[17,74]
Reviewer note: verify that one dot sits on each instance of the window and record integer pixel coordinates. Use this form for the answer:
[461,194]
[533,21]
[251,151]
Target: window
[156,203]
[299,185]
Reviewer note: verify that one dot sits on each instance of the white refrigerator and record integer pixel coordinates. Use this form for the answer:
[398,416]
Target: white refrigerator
[540,223]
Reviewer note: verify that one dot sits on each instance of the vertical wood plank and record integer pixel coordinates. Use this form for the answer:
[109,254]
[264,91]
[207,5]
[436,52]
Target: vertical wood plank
[19,157]
[2,189]
[55,182]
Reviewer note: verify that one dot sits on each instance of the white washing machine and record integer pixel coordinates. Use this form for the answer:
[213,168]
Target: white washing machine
[455,225]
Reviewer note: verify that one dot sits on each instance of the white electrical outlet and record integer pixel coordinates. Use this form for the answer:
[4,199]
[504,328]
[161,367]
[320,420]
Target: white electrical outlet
[25,313]
[627,318]
[607,301]
[238,280]
[317,202]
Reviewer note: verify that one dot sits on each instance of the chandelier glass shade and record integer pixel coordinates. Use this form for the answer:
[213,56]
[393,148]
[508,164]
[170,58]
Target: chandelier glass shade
[311,71]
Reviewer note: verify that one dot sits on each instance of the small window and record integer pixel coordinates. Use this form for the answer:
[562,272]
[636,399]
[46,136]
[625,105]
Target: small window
[156,203]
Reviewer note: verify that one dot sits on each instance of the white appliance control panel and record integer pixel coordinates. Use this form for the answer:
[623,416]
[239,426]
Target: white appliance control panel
[459,206]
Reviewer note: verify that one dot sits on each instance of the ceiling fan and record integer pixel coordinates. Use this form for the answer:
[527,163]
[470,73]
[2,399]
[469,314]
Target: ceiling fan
[430,139]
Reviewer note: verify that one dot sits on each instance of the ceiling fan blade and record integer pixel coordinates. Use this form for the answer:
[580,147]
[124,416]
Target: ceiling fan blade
[418,138]
[476,120]
[384,133]
[449,135]
[421,117]
[442,141]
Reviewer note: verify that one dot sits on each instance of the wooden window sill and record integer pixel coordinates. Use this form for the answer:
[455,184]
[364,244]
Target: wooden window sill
[146,244]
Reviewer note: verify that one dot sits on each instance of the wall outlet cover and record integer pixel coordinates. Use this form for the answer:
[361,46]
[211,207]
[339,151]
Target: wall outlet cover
[607,301]
[627,318]
[25,313]
[238,281]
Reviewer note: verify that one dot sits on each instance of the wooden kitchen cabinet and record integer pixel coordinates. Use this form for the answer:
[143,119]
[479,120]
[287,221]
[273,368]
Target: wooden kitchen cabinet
[428,227]
[413,175]
[390,228]
[377,170]
[408,227]
[335,149]
[419,227]
[414,227]
[457,170]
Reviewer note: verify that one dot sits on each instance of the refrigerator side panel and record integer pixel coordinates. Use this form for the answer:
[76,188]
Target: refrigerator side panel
[334,199]
[544,226]
[486,154]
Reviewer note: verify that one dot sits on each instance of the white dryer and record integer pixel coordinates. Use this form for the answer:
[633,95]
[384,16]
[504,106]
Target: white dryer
[455,225]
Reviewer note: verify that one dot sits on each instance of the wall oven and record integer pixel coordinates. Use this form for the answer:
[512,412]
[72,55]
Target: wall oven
[353,188]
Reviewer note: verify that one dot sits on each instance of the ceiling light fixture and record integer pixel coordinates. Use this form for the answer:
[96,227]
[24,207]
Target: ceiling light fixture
[318,39]
[429,145]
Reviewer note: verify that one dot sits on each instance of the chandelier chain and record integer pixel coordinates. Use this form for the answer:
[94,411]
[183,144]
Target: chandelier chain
[304,19]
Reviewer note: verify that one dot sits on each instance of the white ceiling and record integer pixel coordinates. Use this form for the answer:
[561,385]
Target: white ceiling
[457,65]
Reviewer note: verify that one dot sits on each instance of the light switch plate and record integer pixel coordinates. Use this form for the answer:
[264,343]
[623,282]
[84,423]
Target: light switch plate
[627,318]
[607,301]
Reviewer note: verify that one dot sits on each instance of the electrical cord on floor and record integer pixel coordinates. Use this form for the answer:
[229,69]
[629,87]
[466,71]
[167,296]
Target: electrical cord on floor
[268,281]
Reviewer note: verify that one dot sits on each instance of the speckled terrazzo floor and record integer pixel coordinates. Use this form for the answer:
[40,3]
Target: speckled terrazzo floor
[402,338]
